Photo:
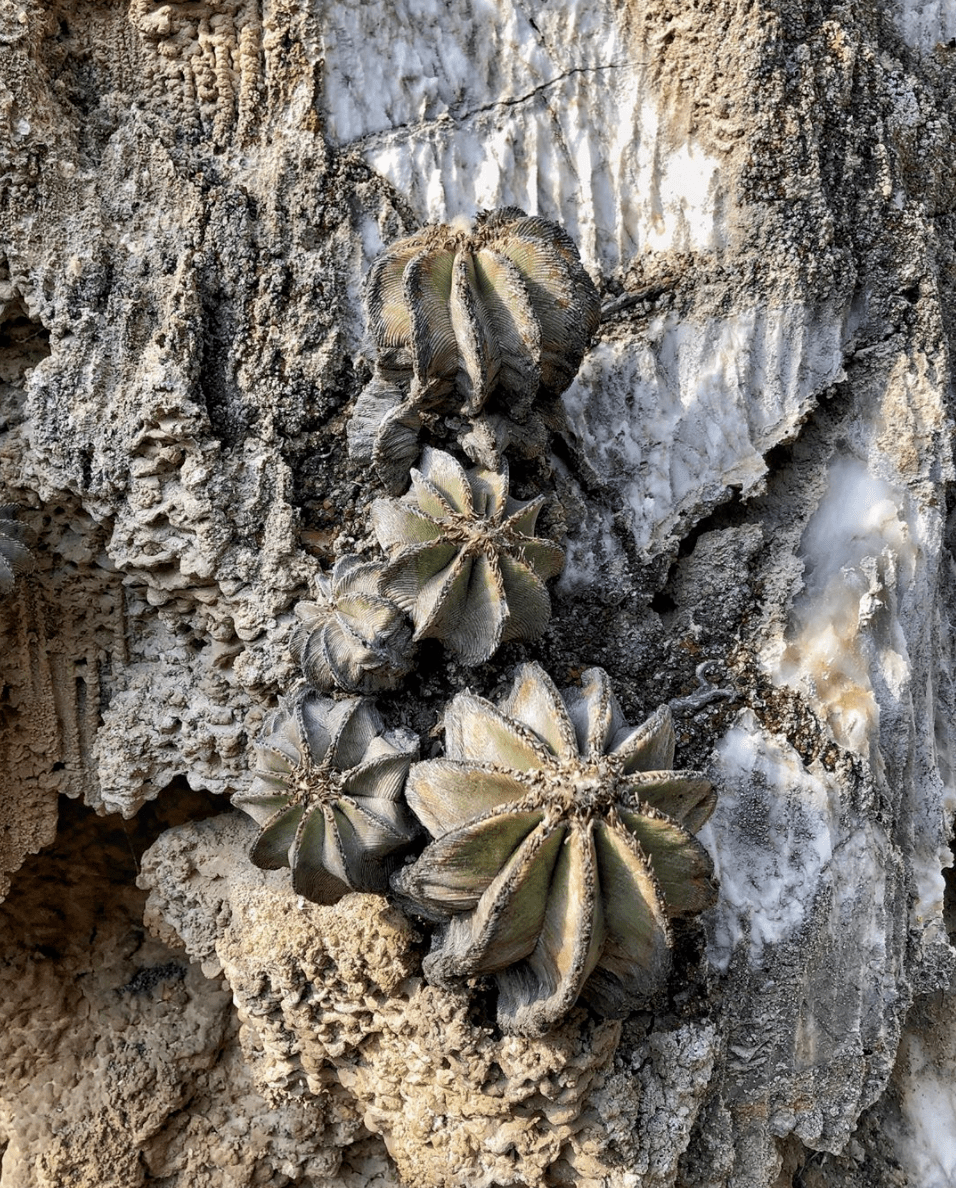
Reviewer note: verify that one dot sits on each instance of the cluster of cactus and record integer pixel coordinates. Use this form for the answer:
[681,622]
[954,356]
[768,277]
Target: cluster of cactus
[462,561]
[554,841]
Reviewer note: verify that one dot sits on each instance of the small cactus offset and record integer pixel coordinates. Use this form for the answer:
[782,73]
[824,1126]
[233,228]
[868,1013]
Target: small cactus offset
[563,848]
[15,541]
[352,637]
[507,305]
[463,560]
[383,434]
[327,795]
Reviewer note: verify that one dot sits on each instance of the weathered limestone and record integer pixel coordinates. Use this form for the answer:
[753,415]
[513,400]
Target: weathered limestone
[756,469]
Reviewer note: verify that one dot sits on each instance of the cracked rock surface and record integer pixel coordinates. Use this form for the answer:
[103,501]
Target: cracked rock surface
[755,469]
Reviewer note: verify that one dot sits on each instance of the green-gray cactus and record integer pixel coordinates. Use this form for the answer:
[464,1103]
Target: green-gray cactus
[352,637]
[489,325]
[327,795]
[463,560]
[563,847]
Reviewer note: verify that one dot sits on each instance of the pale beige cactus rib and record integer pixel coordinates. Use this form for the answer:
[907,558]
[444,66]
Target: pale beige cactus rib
[352,637]
[327,795]
[463,560]
[562,848]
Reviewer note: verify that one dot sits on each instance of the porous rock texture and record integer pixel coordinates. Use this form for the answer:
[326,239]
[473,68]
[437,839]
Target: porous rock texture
[756,470]
[333,995]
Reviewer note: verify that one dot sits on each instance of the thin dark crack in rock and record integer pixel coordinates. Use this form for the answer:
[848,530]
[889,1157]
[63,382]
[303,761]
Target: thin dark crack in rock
[372,139]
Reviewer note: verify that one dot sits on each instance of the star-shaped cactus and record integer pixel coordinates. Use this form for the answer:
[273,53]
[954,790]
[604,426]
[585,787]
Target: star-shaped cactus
[506,305]
[463,560]
[563,846]
[327,795]
[352,637]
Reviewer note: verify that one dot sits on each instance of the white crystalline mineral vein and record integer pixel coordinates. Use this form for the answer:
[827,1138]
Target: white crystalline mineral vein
[866,575]
[521,130]
[859,554]
[691,411]
[923,1134]
[767,894]
[925,24]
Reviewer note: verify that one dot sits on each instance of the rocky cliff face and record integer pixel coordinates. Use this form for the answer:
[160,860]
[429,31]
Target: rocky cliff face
[756,470]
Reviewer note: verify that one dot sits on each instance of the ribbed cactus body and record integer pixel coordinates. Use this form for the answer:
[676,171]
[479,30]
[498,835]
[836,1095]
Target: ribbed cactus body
[15,542]
[352,637]
[463,558]
[563,847]
[327,795]
[489,325]
[507,306]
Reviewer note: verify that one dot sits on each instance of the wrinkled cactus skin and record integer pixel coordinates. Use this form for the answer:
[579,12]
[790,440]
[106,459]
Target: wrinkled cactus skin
[563,847]
[463,560]
[383,434]
[507,305]
[352,637]
[15,542]
[489,324]
[562,843]
[328,796]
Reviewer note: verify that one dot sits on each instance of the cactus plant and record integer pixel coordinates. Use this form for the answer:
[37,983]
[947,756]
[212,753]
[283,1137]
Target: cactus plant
[463,560]
[327,796]
[507,305]
[563,847]
[352,637]
[498,316]
[15,541]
